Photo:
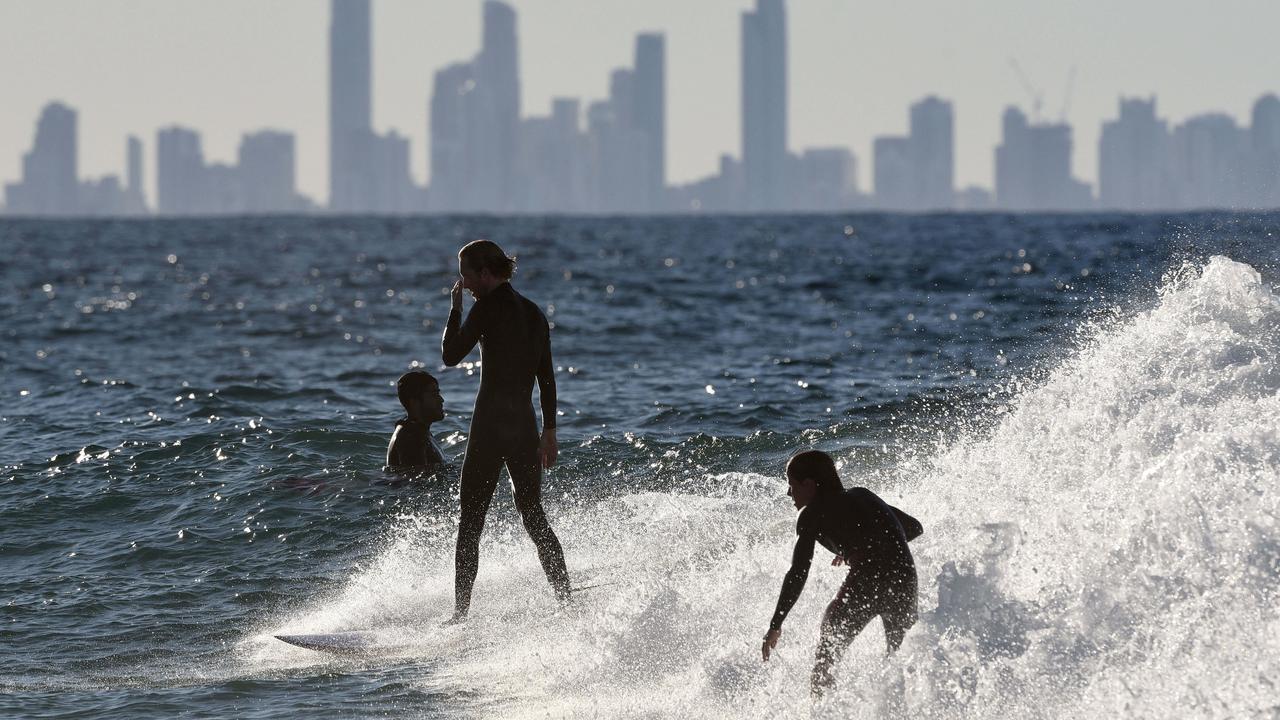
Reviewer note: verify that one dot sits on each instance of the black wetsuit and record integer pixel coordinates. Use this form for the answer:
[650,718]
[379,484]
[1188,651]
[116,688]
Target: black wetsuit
[515,349]
[412,446]
[872,537]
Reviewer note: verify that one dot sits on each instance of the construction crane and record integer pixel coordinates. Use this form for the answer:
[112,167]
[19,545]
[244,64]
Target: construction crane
[1037,97]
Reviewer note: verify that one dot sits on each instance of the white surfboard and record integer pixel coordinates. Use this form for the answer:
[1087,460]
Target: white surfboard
[373,642]
[353,642]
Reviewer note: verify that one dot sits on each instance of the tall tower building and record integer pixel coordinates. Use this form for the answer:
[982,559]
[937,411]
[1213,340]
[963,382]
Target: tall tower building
[932,154]
[350,105]
[764,104]
[134,173]
[496,123]
[649,115]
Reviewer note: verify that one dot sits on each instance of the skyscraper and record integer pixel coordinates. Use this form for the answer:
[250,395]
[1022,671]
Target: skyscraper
[892,171]
[553,161]
[1210,162]
[133,164]
[350,105]
[392,186]
[1265,145]
[496,121]
[1133,156]
[181,183]
[932,154]
[649,116]
[917,172]
[266,170]
[1033,167]
[49,184]
[764,105]
[451,138]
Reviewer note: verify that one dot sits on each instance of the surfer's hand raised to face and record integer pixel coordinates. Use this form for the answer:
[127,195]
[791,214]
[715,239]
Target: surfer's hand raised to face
[547,449]
[455,295]
[770,642]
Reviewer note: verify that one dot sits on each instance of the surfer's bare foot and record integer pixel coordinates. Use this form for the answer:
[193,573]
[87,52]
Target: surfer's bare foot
[457,619]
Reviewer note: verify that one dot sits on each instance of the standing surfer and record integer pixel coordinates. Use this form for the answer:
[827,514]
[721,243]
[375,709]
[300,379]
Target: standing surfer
[515,350]
[865,533]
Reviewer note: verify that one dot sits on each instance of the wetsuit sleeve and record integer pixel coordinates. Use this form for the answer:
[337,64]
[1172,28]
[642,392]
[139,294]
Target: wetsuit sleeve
[793,583]
[547,386]
[910,525]
[460,337]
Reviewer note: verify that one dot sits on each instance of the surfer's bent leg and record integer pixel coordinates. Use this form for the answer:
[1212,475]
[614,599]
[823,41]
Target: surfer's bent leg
[480,471]
[901,613]
[526,485]
[845,617]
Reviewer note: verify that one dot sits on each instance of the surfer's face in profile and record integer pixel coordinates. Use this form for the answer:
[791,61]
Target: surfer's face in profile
[477,283]
[801,490]
[433,402]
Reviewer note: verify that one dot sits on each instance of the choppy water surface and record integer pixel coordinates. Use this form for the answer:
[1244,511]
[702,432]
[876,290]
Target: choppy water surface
[1083,411]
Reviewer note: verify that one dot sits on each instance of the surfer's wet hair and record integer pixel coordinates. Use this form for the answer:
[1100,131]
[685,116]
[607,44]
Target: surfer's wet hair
[817,465]
[481,255]
[414,384]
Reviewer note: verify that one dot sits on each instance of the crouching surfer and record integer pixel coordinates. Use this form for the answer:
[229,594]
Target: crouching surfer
[865,533]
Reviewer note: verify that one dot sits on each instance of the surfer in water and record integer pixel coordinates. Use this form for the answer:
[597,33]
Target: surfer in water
[515,350]
[412,447]
[865,533]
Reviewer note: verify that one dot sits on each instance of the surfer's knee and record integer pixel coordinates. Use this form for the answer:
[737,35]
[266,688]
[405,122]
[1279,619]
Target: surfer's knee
[532,514]
[835,619]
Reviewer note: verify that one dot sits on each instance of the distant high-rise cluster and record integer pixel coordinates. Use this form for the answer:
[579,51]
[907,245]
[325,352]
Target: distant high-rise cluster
[50,184]
[609,155]
[261,181]
[1207,161]
[486,158]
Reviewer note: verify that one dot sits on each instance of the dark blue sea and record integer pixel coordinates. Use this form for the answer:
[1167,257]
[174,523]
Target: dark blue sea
[1083,410]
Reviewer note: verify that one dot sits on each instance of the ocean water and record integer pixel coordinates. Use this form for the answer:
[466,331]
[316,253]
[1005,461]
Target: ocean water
[1084,412]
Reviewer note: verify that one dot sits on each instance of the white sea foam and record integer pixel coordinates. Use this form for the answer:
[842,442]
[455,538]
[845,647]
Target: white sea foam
[1110,548]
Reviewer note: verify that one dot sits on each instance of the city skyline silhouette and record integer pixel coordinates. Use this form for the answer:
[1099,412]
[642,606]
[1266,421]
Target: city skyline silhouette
[825,176]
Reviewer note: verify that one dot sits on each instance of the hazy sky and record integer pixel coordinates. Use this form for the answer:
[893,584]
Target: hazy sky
[226,67]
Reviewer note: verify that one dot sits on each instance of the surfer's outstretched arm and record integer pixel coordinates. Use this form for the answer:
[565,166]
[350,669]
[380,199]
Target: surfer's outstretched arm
[792,584]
